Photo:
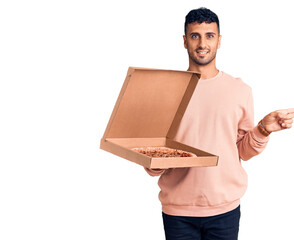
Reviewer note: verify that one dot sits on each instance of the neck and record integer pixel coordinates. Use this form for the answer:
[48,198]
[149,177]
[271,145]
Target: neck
[206,71]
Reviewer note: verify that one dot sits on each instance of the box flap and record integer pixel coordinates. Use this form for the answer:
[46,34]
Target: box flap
[151,103]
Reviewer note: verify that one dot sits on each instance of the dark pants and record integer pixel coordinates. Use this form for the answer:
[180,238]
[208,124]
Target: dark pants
[220,227]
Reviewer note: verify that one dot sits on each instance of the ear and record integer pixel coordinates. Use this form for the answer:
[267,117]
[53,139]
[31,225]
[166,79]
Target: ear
[219,41]
[185,41]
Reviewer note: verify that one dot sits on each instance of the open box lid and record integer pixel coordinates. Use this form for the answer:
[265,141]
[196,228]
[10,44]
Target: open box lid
[151,103]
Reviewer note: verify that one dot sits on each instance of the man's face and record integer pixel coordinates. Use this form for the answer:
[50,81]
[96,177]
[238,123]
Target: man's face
[202,41]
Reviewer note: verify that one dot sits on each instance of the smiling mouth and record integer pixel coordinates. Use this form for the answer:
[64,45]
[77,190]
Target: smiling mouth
[202,52]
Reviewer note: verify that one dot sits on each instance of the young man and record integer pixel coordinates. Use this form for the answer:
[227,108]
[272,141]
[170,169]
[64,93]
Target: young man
[203,203]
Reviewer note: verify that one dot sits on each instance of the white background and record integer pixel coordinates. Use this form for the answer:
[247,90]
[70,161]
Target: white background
[62,64]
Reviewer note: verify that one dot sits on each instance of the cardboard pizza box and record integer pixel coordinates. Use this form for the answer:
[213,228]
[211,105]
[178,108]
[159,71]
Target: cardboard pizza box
[147,113]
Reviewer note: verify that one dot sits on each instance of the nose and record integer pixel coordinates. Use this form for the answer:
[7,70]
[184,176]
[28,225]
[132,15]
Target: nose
[202,42]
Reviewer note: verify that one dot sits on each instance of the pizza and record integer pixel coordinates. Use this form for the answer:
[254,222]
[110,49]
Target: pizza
[163,152]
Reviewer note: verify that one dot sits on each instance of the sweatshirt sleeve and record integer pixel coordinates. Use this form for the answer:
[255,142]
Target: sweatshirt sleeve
[250,141]
[155,172]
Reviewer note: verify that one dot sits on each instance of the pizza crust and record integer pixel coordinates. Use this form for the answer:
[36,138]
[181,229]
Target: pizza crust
[163,152]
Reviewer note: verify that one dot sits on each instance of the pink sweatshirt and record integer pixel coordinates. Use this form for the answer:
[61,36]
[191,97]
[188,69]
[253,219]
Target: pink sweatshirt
[219,120]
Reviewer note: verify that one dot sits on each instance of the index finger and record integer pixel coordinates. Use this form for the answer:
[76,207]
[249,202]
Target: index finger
[286,111]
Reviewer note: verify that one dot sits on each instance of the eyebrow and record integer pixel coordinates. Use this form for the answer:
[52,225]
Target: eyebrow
[208,33]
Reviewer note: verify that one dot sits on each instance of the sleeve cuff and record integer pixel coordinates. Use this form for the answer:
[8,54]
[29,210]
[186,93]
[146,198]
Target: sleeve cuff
[259,136]
[153,172]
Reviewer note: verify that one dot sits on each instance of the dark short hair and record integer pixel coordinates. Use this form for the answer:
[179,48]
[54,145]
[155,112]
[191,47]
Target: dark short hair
[201,15]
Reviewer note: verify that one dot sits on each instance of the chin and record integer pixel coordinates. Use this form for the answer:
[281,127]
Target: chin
[203,62]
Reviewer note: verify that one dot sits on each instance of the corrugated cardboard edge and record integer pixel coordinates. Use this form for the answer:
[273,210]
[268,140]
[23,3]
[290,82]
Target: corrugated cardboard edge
[131,70]
[183,105]
[183,162]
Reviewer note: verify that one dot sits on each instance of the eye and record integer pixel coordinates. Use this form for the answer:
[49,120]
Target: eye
[210,36]
[194,36]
